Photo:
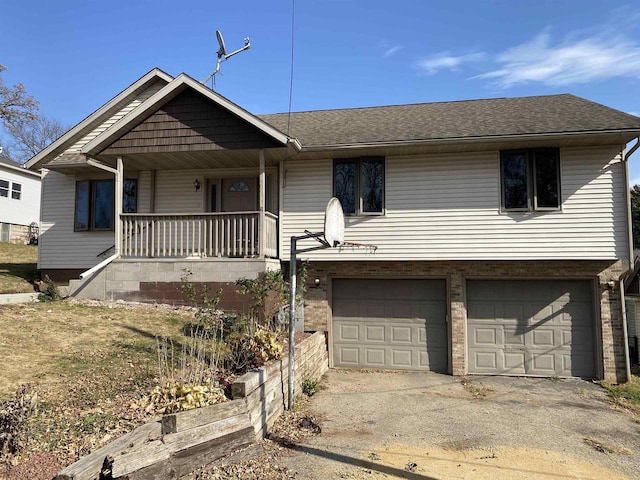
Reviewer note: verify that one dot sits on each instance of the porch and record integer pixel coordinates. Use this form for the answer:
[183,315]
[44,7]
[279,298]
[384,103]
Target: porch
[251,234]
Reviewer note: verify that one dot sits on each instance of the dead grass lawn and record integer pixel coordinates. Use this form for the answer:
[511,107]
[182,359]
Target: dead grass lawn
[17,267]
[59,344]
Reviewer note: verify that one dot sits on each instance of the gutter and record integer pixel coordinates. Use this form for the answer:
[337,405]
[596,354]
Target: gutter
[458,140]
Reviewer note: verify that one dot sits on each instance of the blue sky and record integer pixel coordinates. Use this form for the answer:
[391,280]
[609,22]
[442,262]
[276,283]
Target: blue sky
[74,55]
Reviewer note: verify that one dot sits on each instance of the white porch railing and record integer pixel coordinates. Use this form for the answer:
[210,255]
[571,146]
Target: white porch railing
[234,234]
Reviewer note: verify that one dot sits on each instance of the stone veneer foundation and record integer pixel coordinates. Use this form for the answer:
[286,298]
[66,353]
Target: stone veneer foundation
[608,310]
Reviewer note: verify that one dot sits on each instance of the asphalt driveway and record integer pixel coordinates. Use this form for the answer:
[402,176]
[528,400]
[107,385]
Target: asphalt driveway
[427,425]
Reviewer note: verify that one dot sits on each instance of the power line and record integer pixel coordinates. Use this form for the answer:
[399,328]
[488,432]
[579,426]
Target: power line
[293,16]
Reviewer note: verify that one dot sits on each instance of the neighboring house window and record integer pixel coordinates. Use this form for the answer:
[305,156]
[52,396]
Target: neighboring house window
[94,208]
[359,185]
[130,196]
[530,179]
[16,191]
[4,188]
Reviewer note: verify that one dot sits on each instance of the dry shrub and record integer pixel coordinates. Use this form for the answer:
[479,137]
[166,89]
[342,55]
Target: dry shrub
[14,416]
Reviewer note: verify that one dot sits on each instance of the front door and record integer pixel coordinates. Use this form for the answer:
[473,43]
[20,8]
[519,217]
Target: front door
[239,195]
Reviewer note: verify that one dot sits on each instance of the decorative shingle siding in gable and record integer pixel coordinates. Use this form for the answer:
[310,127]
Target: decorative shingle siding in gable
[190,123]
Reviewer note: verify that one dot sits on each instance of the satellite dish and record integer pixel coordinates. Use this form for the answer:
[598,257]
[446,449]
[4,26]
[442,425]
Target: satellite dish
[223,55]
[334,223]
[223,50]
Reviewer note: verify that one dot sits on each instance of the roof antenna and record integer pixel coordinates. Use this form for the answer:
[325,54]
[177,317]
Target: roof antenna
[223,55]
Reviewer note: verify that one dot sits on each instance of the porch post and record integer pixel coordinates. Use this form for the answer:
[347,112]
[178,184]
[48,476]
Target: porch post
[118,206]
[262,203]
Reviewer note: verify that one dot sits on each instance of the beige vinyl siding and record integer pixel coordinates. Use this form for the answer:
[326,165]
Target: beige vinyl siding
[175,192]
[154,88]
[144,191]
[60,246]
[447,207]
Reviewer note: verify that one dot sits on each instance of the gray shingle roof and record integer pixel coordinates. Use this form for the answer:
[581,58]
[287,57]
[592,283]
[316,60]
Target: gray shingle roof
[450,120]
[8,161]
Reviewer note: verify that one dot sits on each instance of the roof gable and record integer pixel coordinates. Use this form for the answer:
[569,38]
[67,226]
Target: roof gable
[82,132]
[185,105]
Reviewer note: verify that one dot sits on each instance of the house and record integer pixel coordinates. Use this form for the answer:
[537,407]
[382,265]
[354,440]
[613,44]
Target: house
[501,225]
[19,202]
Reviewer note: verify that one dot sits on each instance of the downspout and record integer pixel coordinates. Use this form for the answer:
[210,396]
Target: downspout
[625,330]
[117,172]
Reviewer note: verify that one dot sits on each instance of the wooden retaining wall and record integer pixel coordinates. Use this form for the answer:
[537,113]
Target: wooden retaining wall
[179,443]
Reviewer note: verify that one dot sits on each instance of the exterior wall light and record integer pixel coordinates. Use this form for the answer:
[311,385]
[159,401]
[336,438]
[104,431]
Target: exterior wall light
[196,183]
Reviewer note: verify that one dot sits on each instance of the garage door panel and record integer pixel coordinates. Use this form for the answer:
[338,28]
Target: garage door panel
[402,324]
[541,327]
[403,334]
[348,333]
[543,364]
[513,335]
[348,355]
[374,333]
[375,356]
[514,362]
[485,336]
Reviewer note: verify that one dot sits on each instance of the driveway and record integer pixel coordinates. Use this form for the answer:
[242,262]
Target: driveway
[427,425]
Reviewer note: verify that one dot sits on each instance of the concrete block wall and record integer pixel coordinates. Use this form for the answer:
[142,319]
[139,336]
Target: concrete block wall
[161,280]
[607,300]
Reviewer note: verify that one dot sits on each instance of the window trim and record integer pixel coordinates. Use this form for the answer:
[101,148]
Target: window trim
[91,207]
[359,200]
[531,180]
[14,191]
[5,190]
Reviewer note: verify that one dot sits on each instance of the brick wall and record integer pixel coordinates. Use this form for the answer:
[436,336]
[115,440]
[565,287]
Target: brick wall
[318,312]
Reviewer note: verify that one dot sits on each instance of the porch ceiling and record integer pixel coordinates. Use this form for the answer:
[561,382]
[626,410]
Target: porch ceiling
[197,159]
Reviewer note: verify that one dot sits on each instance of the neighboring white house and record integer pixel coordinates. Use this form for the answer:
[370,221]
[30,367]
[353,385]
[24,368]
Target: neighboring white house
[19,202]
[501,225]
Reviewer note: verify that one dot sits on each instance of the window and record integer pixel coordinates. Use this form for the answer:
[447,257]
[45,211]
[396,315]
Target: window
[530,179]
[4,188]
[359,185]
[16,191]
[239,187]
[130,196]
[94,205]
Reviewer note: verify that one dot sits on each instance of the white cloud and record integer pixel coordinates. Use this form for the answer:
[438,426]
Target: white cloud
[392,50]
[444,61]
[568,62]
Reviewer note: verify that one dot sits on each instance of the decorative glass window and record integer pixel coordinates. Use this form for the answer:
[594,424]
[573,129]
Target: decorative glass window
[83,189]
[239,186]
[530,179]
[130,196]
[4,188]
[102,203]
[16,191]
[359,185]
[94,209]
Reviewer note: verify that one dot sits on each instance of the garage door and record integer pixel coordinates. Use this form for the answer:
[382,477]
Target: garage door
[390,324]
[531,327]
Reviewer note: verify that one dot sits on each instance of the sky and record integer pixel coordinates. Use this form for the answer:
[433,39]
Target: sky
[74,55]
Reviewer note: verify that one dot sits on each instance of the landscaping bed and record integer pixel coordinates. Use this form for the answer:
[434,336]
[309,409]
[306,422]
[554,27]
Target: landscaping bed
[90,367]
